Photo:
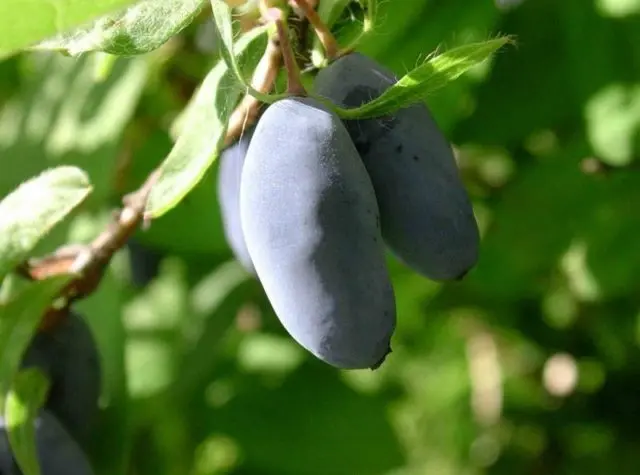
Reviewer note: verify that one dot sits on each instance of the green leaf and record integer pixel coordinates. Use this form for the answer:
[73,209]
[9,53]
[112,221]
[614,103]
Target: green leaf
[517,256]
[618,8]
[329,10]
[7,288]
[27,396]
[34,208]
[613,123]
[103,66]
[203,132]
[173,232]
[224,30]
[434,74]
[139,29]
[19,319]
[217,298]
[24,22]
[63,115]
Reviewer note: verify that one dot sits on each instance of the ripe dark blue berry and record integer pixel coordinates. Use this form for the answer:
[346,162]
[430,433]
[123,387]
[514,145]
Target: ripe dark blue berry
[311,224]
[426,216]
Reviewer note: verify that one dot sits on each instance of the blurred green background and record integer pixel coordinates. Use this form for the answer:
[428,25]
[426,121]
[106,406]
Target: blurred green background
[531,365]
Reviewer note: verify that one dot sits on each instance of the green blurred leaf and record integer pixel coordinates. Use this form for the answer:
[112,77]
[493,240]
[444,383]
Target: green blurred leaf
[394,25]
[139,29]
[202,134]
[533,225]
[27,396]
[23,22]
[19,319]
[111,444]
[64,116]
[301,422]
[434,74]
[618,8]
[613,123]
[32,210]
[537,69]
[608,228]
[330,10]
[216,299]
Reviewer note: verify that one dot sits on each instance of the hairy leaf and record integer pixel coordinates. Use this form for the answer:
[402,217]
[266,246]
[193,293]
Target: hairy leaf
[34,208]
[222,16]
[24,22]
[434,74]
[202,133]
[139,29]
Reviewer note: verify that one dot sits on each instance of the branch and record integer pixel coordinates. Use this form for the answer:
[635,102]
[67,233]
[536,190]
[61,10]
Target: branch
[264,77]
[324,33]
[87,263]
[294,82]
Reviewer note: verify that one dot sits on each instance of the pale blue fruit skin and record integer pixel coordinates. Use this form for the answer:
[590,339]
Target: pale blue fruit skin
[426,215]
[229,176]
[58,453]
[311,223]
[69,356]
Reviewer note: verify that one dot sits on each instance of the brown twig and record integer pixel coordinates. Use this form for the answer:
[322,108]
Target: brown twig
[264,77]
[299,27]
[324,33]
[276,15]
[294,82]
[119,231]
[87,263]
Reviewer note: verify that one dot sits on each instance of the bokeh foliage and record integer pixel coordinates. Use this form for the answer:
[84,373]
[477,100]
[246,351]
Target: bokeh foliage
[531,365]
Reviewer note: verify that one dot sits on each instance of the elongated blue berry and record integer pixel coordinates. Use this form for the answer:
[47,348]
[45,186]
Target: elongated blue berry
[311,224]
[426,215]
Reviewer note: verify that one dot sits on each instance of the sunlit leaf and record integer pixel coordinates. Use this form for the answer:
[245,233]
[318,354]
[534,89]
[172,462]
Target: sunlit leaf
[63,115]
[202,133]
[434,74]
[139,29]
[613,123]
[18,321]
[24,22]
[27,396]
[34,208]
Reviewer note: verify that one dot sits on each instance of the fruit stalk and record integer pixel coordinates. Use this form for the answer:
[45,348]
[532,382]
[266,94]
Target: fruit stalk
[264,76]
[277,17]
[324,33]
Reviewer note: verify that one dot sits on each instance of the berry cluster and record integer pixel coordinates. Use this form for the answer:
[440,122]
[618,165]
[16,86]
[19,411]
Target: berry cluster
[311,202]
